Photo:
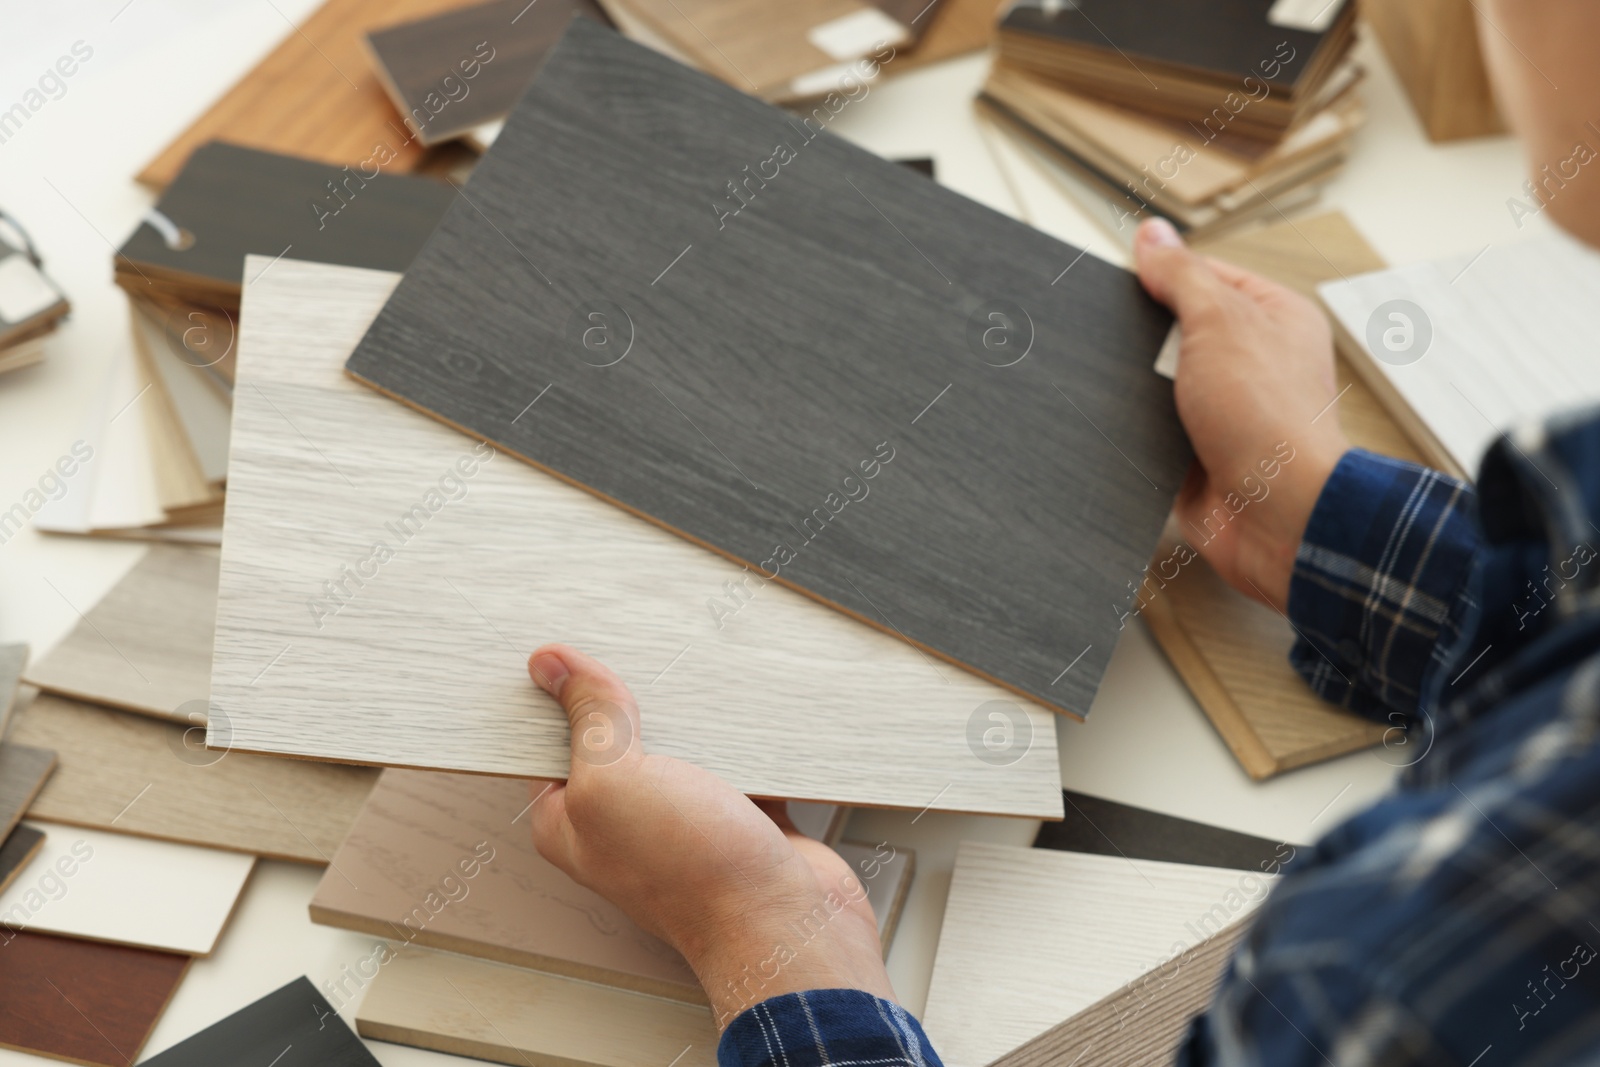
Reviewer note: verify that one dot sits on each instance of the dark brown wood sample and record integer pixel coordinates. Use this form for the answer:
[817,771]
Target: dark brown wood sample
[1107,828]
[453,71]
[893,399]
[231,201]
[17,851]
[82,1001]
[294,1026]
[23,772]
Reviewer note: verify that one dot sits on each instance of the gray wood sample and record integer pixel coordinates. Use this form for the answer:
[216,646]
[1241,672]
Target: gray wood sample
[293,1026]
[382,576]
[17,850]
[146,646]
[23,772]
[803,357]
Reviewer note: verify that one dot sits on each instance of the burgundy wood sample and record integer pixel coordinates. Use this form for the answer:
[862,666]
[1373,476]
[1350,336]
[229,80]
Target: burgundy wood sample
[82,1001]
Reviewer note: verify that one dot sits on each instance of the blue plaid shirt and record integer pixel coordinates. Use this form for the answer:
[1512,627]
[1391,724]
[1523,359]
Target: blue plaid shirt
[1456,920]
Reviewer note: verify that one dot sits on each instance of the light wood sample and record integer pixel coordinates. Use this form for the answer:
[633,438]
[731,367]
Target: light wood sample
[82,1002]
[314,96]
[146,646]
[1033,936]
[468,1007]
[128,891]
[1509,340]
[136,775]
[13,660]
[1433,49]
[23,772]
[1143,1023]
[440,633]
[1230,650]
[17,850]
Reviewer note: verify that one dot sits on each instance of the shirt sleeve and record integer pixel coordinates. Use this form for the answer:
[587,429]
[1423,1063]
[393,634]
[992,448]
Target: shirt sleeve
[826,1028]
[1380,591]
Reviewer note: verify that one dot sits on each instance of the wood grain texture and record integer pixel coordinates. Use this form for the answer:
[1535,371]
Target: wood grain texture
[1143,1023]
[1507,345]
[441,631]
[19,849]
[1033,936]
[128,891]
[999,524]
[23,771]
[202,410]
[313,96]
[82,1002]
[295,1019]
[459,69]
[139,776]
[489,1011]
[1107,828]
[146,646]
[13,661]
[1231,651]
[1433,49]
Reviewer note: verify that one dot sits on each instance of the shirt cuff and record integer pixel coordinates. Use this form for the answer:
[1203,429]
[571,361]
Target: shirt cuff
[825,1027]
[1380,583]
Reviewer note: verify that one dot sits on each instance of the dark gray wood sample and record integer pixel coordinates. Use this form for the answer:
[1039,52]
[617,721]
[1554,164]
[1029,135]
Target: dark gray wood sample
[892,398]
[295,1024]
[23,772]
[1107,828]
[461,68]
[17,851]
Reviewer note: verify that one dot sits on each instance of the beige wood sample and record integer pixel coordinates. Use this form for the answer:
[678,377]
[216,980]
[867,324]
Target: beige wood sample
[23,772]
[489,1011]
[146,646]
[136,775]
[1433,48]
[1230,650]
[1143,1023]
[13,660]
[1033,936]
[378,605]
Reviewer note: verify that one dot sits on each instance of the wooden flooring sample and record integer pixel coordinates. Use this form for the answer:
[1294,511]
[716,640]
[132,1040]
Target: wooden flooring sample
[17,850]
[82,1002]
[839,422]
[489,1011]
[1033,936]
[1107,828]
[323,651]
[1160,1005]
[13,659]
[146,646]
[294,1026]
[314,96]
[136,775]
[462,68]
[129,891]
[23,772]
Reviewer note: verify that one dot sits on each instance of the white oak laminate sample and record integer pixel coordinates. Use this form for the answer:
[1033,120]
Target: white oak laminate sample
[1033,936]
[102,886]
[378,604]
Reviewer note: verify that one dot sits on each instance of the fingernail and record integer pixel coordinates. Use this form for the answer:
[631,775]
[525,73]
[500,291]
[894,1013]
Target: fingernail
[550,672]
[1159,233]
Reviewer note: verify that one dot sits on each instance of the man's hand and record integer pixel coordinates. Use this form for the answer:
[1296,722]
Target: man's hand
[756,908]
[1255,391]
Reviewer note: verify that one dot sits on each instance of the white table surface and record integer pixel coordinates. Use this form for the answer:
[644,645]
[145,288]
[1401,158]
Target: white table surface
[67,174]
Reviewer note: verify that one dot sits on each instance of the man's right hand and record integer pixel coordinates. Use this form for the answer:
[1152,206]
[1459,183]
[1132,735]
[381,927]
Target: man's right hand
[1256,393]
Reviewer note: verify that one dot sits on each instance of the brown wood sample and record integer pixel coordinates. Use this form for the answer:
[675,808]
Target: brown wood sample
[1143,1023]
[17,851]
[82,1001]
[750,423]
[1231,651]
[490,1011]
[314,96]
[1433,49]
[146,646]
[135,775]
[23,772]
[459,69]
[447,861]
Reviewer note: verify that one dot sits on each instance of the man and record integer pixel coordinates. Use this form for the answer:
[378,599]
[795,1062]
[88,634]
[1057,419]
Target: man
[1456,921]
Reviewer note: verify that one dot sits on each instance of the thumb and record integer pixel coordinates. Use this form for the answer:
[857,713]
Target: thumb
[1171,272]
[600,710]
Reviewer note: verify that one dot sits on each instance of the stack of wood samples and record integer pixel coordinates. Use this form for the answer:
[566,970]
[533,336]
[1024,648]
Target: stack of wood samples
[31,306]
[345,581]
[926,353]
[315,96]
